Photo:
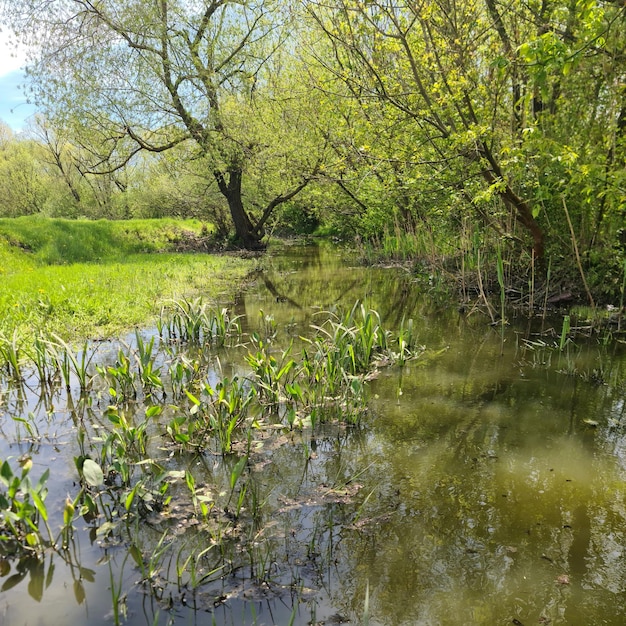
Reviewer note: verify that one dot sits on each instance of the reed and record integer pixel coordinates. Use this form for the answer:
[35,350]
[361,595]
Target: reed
[12,354]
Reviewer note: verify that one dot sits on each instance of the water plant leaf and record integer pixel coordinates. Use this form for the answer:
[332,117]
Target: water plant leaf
[130,497]
[79,592]
[35,584]
[93,473]
[192,397]
[236,471]
[38,502]
[135,553]
[153,411]
[11,581]
[105,529]
[87,574]
[6,473]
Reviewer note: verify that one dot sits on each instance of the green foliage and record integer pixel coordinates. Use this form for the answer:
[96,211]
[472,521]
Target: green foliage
[496,116]
[384,122]
[22,508]
[24,184]
[193,321]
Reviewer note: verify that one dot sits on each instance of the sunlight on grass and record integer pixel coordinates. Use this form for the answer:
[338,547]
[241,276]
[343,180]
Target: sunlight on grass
[116,292]
[100,300]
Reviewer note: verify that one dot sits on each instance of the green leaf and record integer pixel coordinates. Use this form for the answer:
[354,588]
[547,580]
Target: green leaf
[192,398]
[93,473]
[135,552]
[41,507]
[130,497]
[105,529]
[153,411]
[6,473]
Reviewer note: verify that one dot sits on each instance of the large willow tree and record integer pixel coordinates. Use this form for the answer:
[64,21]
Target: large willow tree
[135,75]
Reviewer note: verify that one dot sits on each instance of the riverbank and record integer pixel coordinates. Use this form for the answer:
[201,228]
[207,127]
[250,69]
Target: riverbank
[80,278]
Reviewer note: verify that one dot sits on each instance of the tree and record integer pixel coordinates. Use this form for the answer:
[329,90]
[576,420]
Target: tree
[486,91]
[141,76]
[23,183]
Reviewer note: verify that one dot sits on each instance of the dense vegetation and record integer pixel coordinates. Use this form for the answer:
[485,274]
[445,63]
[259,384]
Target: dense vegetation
[458,129]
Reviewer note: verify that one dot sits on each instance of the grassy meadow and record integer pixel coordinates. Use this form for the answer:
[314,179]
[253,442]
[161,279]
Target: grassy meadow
[80,278]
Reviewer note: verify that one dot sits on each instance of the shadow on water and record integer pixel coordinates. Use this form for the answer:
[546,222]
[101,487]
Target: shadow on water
[485,485]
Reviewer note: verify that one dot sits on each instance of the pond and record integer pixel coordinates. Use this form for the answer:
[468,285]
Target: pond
[480,478]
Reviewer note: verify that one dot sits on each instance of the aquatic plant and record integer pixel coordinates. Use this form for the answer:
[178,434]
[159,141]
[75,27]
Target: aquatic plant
[121,377]
[271,375]
[22,509]
[184,373]
[194,322]
[217,413]
[565,328]
[356,338]
[44,361]
[70,362]
[149,374]
[121,484]
[11,354]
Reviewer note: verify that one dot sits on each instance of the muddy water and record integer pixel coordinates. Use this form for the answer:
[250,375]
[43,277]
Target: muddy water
[486,484]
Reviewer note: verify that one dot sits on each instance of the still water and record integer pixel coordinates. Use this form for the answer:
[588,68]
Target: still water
[486,484]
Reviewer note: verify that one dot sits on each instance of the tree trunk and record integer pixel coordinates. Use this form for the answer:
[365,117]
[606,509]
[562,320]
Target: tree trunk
[230,187]
[522,213]
[517,205]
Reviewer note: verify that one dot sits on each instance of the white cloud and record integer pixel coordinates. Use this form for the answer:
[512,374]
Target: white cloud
[11,59]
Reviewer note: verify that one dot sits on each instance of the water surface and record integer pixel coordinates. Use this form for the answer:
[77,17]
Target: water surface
[485,485]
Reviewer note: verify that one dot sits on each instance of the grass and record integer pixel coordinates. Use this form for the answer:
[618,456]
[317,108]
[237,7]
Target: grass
[55,241]
[89,279]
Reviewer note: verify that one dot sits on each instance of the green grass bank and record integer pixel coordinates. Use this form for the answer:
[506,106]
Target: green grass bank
[95,279]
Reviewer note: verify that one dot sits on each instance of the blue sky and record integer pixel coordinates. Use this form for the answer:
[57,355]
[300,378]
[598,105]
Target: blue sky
[13,108]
